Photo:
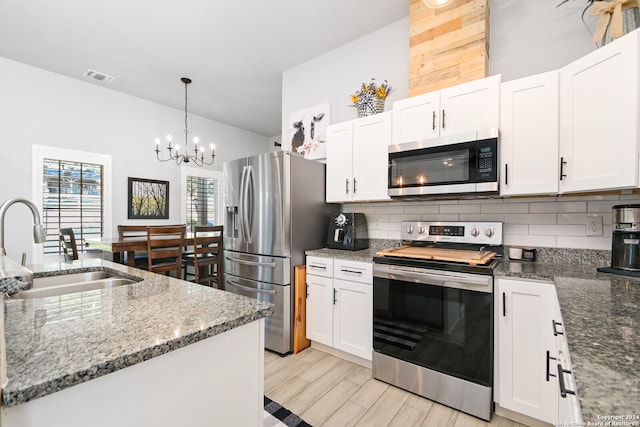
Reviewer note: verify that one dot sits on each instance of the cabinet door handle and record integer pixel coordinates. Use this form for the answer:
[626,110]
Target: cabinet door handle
[443,113]
[354,185]
[433,120]
[504,304]
[563,390]
[562,163]
[506,174]
[346,187]
[556,332]
[335,296]
[549,358]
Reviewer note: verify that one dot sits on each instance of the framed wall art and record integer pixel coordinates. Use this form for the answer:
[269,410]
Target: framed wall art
[308,132]
[148,199]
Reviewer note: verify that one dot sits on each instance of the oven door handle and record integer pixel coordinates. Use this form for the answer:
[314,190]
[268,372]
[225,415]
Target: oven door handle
[482,283]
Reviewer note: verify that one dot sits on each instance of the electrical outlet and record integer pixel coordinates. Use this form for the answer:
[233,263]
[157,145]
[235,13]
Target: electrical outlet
[594,225]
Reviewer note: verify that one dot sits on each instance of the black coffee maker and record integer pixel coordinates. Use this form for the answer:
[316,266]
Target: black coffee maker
[347,231]
[625,240]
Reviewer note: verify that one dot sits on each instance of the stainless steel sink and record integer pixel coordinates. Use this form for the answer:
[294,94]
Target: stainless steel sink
[72,283]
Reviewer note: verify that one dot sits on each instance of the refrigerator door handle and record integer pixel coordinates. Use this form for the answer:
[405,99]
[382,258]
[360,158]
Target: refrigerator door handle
[255,291]
[249,198]
[241,204]
[257,263]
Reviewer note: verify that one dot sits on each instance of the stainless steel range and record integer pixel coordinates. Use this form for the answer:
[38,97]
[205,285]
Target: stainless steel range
[433,313]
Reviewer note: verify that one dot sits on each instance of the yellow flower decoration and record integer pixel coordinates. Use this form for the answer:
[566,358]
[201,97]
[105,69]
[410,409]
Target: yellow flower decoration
[365,96]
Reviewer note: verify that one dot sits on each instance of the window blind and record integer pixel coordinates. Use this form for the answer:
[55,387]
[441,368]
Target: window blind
[202,200]
[73,197]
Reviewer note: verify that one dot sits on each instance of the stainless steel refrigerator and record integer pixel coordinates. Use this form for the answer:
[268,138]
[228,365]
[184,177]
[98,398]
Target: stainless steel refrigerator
[274,210]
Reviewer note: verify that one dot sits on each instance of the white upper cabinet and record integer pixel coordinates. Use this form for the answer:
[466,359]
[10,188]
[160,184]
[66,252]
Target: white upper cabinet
[529,135]
[339,161]
[463,108]
[357,158]
[599,118]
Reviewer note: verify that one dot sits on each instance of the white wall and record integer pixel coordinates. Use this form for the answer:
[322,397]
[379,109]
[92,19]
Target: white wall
[44,108]
[530,37]
[334,76]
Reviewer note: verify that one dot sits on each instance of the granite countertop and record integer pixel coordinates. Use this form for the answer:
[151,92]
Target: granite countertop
[364,255]
[601,316]
[56,342]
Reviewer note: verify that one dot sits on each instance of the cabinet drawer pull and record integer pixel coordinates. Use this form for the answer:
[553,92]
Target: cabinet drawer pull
[556,332]
[346,270]
[319,267]
[549,358]
[563,390]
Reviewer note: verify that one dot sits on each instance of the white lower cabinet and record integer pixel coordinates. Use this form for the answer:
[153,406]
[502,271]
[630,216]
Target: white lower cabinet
[340,305]
[525,311]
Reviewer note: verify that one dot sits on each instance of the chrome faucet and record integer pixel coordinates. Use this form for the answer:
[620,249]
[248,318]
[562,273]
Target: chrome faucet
[39,234]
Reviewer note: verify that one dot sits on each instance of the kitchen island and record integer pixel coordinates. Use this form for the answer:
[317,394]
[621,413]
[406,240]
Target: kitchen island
[159,352]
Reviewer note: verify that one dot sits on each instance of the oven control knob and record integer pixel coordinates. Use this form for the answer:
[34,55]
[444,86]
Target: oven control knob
[489,232]
[474,232]
[410,229]
[421,230]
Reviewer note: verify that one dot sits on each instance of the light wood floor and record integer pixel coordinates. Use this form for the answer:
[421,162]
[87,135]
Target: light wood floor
[328,391]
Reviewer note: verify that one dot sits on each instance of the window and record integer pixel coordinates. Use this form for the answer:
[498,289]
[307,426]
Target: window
[72,192]
[202,197]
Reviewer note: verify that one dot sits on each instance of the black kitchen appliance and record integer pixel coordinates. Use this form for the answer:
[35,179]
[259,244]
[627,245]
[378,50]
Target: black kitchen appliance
[348,231]
[433,313]
[625,241]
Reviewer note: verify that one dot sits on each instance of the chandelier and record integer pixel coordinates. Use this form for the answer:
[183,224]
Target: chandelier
[174,151]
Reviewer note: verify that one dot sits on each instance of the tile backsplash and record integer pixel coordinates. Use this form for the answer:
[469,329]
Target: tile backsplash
[553,222]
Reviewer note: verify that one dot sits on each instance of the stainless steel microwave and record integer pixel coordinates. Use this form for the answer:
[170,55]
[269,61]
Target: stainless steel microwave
[459,164]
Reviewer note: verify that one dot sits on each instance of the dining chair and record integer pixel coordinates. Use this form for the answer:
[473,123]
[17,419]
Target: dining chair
[206,256]
[68,244]
[131,232]
[164,248]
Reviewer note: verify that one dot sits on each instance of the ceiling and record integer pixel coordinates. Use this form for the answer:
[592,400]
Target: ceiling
[234,51]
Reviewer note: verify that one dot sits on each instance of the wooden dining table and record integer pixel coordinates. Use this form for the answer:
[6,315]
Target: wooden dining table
[118,246]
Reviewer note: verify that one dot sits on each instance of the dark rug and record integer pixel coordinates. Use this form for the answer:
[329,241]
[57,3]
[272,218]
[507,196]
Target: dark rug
[287,417]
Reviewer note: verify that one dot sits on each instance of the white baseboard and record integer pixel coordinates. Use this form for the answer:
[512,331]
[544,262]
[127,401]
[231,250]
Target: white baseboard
[341,354]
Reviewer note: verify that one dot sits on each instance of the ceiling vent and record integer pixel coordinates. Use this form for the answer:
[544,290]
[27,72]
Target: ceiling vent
[96,75]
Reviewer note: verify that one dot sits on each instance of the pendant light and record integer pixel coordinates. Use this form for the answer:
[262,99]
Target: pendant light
[174,151]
